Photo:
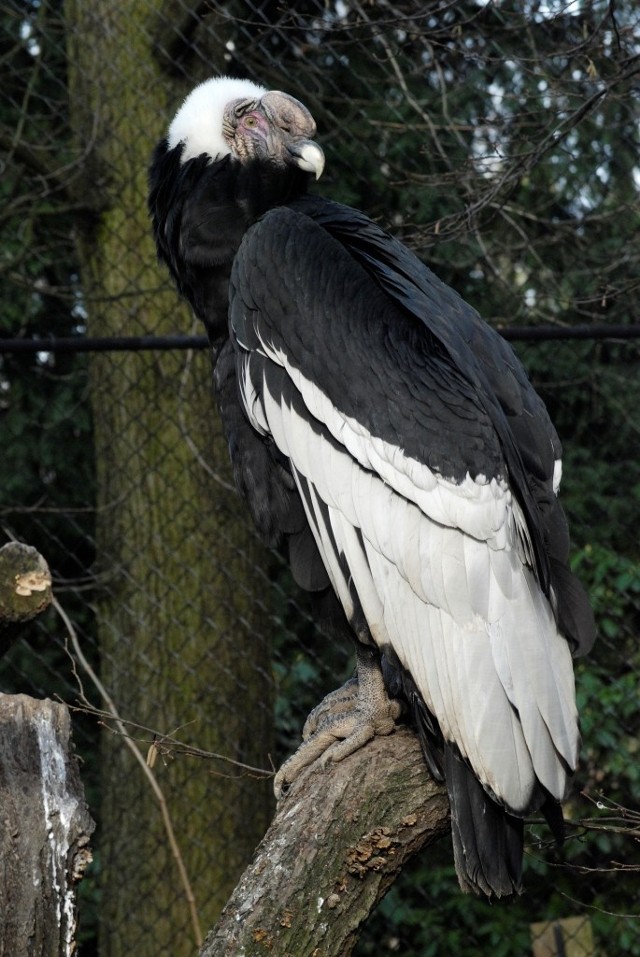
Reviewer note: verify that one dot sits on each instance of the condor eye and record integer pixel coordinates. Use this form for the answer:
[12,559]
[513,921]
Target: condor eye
[250,121]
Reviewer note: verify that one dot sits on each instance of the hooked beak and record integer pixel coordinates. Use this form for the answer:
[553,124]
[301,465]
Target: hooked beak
[291,130]
[307,155]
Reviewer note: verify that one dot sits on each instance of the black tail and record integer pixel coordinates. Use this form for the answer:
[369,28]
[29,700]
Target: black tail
[487,842]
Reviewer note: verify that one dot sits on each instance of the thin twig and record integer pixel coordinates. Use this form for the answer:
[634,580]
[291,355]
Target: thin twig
[166,742]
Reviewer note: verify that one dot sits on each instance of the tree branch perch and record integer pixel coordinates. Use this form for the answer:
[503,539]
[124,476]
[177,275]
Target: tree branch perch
[335,846]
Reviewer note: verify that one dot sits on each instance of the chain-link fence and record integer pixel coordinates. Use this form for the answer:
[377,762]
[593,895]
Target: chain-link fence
[500,141]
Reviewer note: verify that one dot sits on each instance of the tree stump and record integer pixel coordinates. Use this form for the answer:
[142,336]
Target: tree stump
[44,829]
[335,846]
[44,821]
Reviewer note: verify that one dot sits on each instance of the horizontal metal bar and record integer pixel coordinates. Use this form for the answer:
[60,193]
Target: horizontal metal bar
[103,344]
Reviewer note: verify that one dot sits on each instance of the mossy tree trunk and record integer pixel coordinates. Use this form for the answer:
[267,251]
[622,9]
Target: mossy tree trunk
[183,635]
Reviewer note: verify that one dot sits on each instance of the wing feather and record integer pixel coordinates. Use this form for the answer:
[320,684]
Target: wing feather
[467,620]
[440,567]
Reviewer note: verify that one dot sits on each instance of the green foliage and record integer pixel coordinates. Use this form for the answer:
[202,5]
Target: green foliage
[592,391]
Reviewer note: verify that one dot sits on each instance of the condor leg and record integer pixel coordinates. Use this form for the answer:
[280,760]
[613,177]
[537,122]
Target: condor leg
[344,721]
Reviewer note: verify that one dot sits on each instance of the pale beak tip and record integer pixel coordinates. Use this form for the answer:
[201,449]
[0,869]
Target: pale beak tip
[310,158]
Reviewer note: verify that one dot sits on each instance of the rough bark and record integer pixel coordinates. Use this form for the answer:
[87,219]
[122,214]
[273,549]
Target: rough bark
[44,829]
[25,589]
[335,846]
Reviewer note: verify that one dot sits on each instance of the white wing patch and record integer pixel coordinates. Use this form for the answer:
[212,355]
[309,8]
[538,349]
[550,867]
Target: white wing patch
[483,509]
[557,475]
[440,572]
[251,399]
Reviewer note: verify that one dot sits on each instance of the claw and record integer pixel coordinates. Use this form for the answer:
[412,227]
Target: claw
[342,723]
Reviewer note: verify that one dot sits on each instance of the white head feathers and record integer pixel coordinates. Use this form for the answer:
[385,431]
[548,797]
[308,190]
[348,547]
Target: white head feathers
[198,122]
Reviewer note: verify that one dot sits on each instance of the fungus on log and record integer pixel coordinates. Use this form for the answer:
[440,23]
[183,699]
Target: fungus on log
[25,589]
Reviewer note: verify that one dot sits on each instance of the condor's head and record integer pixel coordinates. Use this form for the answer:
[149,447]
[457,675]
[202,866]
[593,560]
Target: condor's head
[224,116]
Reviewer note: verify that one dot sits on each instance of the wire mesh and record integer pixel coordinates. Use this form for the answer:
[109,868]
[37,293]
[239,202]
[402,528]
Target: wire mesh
[500,141]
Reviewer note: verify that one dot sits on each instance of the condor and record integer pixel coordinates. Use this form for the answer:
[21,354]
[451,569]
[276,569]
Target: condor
[391,441]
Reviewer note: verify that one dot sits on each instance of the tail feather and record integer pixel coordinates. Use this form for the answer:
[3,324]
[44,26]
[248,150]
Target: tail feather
[487,841]
[553,815]
[575,614]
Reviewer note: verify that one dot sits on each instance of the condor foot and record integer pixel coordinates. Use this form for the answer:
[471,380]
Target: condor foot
[337,703]
[343,722]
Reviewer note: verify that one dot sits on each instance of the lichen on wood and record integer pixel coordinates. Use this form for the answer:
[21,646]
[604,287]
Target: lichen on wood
[336,844]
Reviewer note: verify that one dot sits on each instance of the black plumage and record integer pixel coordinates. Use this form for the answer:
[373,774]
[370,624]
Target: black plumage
[384,434]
